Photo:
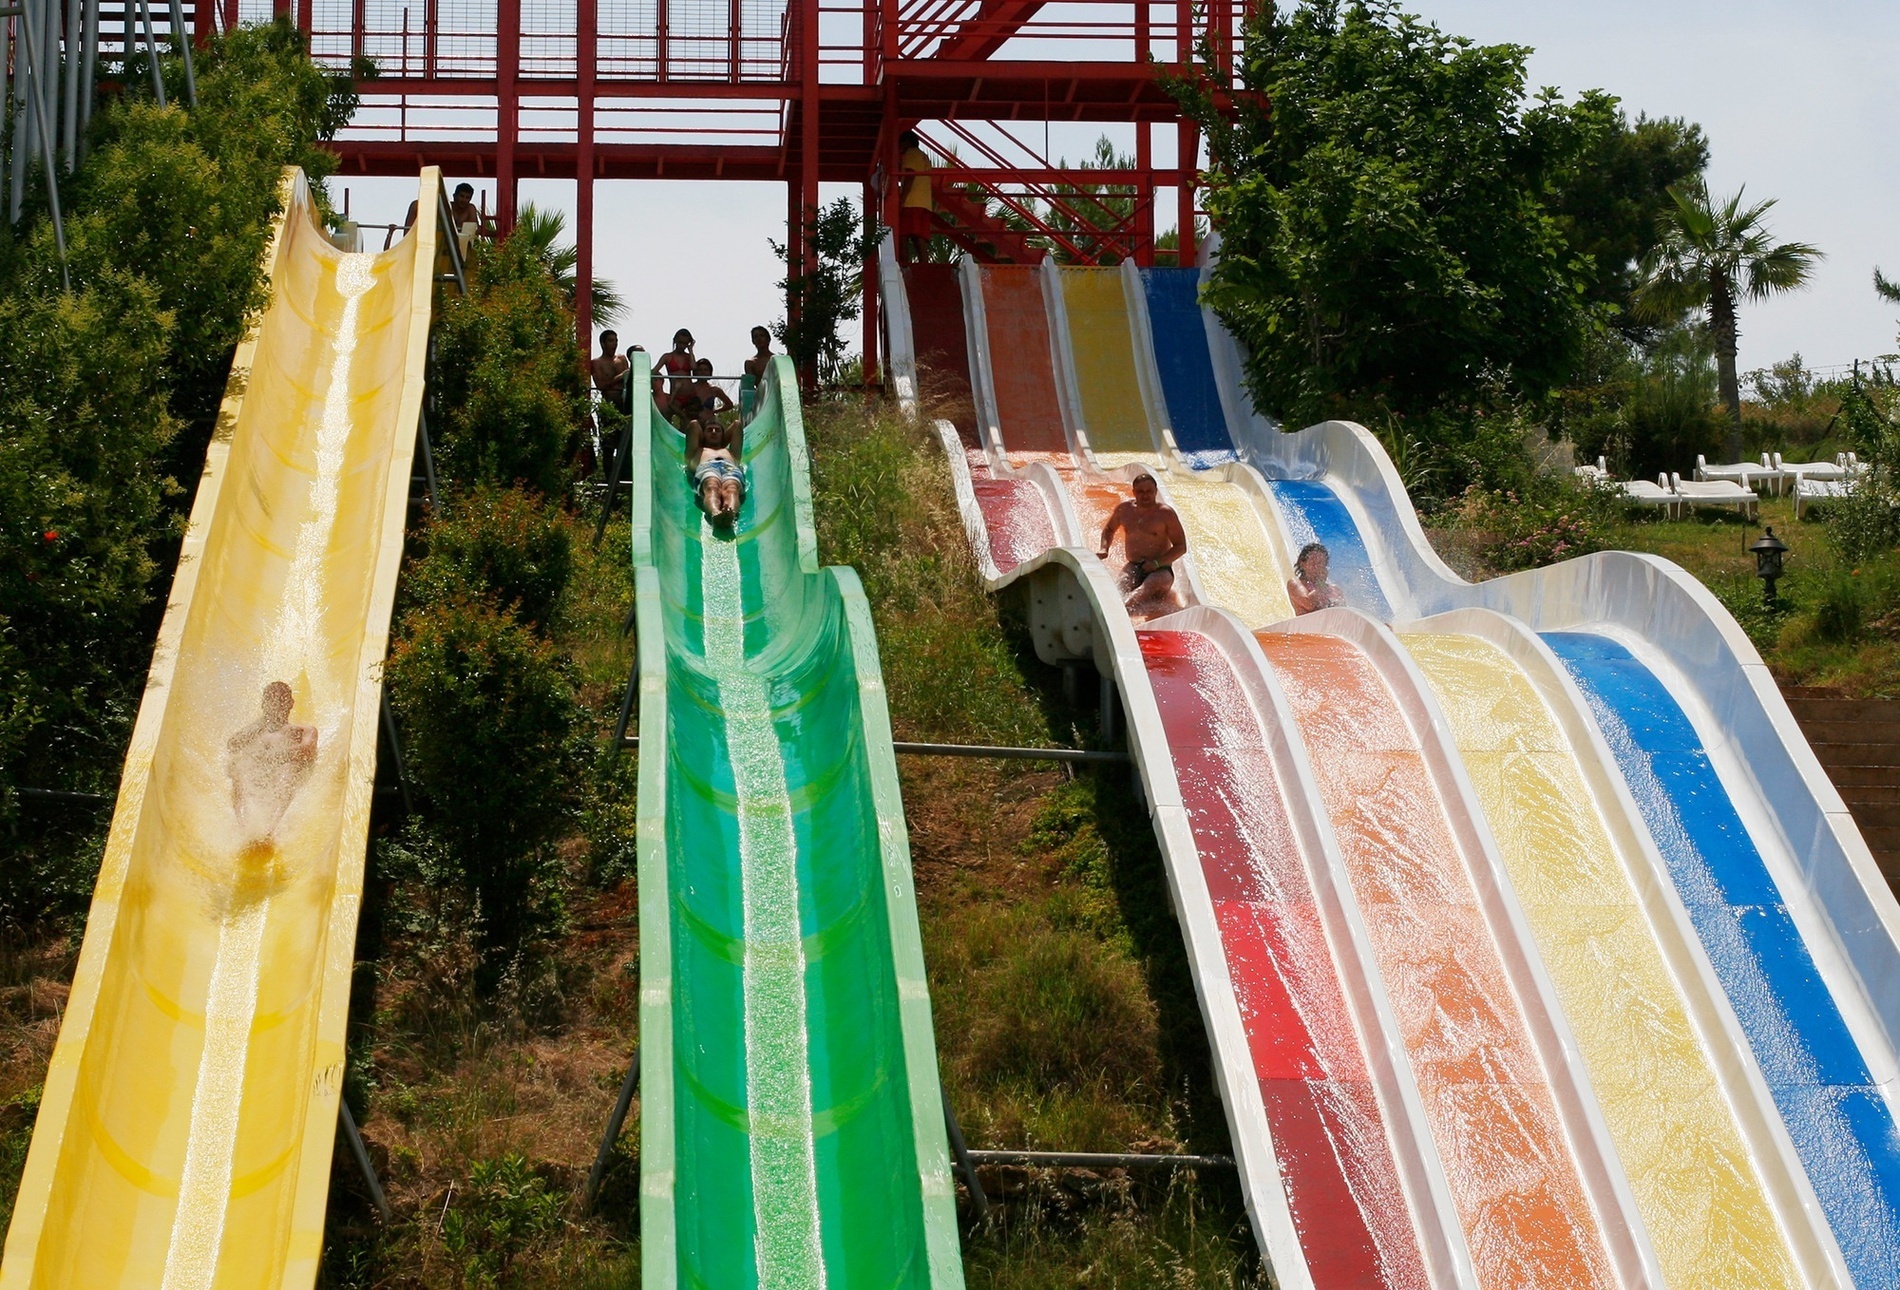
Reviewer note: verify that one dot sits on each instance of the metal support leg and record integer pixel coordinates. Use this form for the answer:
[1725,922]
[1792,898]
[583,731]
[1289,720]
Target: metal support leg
[960,1153]
[428,459]
[614,1125]
[395,753]
[616,467]
[361,1153]
[1109,708]
[626,705]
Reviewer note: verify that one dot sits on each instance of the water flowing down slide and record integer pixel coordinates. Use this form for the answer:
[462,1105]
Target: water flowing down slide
[186,1127]
[792,1129]
[1678,918]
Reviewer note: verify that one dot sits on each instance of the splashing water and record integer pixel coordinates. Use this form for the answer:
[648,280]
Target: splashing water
[293,650]
[787,1248]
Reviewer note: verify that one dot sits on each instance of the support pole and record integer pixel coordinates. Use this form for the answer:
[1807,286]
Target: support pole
[428,459]
[395,753]
[69,87]
[1187,159]
[89,69]
[808,148]
[36,76]
[151,51]
[361,1152]
[1109,708]
[184,48]
[507,111]
[960,1154]
[633,688]
[587,47]
[869,365]
[614,1124]
[616,466]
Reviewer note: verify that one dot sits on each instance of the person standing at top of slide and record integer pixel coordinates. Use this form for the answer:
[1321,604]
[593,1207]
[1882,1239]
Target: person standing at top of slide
[1152,539]
[677,363]
[754,372]
[1308,588]
[913,217]
[609,370]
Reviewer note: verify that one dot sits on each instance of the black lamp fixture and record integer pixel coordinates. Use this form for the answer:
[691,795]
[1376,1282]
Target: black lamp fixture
[1768,550]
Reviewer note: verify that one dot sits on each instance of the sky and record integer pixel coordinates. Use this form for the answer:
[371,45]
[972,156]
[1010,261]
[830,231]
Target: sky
[1796,99]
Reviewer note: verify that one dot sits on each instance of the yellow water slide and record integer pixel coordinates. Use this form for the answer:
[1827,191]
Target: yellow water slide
[188,1117]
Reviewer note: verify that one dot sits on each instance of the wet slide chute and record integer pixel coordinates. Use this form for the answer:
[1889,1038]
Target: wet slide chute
[1695,1008]
[186,1127]
[792,1125]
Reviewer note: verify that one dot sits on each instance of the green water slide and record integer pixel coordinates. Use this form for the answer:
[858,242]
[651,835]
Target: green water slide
[792,1127]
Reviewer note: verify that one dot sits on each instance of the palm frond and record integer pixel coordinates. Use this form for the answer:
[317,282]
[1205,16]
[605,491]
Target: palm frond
[1888,289]
[543,230]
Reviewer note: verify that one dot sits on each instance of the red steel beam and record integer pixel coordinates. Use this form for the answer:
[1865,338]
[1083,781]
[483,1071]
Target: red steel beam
[988,30]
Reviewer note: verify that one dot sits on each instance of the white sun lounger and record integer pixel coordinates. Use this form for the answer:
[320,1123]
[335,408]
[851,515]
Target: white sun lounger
[1809,491]
[1747,474]
[1644,493]
[1719,492]
[1823,470]
[1597,474]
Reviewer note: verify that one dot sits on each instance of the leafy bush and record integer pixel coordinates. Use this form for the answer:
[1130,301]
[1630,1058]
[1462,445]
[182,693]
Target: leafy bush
[1552,520]
[1841,601]
[1866,523]
[510,384]
[505,1211]
[500,544]
[490,729]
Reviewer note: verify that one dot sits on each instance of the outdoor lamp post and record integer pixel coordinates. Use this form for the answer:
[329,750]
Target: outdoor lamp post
[1768,550]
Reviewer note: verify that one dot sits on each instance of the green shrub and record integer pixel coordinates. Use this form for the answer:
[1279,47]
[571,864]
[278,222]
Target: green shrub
[490,728]
[510,380]
[1840,607]
[500,544]
[505,1211]
[1552,520]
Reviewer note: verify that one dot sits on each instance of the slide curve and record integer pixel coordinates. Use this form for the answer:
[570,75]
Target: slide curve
[188,1117]
[1691,927]
[792,1124]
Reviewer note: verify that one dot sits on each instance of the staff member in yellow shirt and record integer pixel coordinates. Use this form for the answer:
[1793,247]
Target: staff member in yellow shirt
[913,220]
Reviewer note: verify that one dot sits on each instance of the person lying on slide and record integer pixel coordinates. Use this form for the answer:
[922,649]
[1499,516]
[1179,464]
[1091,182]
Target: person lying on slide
[1152,539]
[713,455]
[267,762]
[1307,588]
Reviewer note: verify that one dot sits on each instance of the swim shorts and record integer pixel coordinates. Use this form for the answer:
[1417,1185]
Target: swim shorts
[1133,575]
[721,469]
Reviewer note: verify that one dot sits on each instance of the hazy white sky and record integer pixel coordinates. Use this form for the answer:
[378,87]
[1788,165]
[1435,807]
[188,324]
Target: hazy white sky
[1797,101]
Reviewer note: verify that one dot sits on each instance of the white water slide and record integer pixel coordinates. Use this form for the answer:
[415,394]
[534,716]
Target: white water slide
[1533,945]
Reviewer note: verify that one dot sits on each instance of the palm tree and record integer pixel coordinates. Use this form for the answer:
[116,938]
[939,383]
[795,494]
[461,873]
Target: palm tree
[543,230]
[1711,253]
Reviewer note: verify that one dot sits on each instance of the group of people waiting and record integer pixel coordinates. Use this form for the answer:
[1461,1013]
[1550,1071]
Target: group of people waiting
[1153,540]
[683,394]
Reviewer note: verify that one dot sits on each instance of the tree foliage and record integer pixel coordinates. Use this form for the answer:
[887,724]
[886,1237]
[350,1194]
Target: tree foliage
[1715,254]
[543,230]
[510,388]
[831,296]
[1388,238]
[107,396]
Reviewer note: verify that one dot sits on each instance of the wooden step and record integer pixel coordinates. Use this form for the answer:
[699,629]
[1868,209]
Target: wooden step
[1871,795]
[1883,816]
[1850,779]
[1859,752]
[1835,711]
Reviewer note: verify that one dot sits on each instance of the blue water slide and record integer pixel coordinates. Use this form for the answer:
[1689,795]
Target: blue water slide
[1312,512]
[1187,373]
[1842,1127]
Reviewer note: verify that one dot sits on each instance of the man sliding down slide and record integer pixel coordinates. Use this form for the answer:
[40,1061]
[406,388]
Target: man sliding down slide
[268,761]
[1153,540]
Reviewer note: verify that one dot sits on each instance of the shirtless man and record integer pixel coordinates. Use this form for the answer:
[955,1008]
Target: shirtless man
[713,454]
[677,362]
[268,761]
[610,371]
[1153,539]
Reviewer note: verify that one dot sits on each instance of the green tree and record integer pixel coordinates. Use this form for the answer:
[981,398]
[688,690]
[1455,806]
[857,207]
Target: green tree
[831,297]
[543,230]
[1388,245]
[1713,255]
[1613,201]
[510,386]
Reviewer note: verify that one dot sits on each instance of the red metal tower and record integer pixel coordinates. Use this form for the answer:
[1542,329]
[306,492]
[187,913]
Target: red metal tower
[793,91]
